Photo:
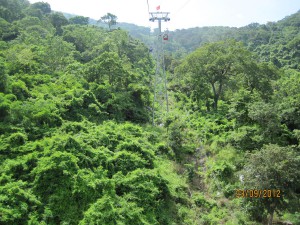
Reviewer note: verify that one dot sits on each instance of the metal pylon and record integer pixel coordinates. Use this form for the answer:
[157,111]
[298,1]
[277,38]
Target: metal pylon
[160,103]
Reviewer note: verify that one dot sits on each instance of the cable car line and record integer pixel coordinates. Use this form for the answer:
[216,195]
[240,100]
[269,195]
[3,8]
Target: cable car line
[148,7]
[184,5]
[160,108]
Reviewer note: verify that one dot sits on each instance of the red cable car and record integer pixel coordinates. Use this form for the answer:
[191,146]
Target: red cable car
[165,37]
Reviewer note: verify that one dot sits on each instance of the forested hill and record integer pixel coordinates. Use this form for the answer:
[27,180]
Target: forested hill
[140,32]
[77,143]
[274,41]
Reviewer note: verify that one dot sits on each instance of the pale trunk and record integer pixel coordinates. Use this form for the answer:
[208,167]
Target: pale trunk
[270,222]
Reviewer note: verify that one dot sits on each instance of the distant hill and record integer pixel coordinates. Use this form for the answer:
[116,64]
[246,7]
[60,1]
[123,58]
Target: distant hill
[278,42]
[264,39]
[139,32]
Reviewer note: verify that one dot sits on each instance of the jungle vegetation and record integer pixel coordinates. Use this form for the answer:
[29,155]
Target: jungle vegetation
[77,145]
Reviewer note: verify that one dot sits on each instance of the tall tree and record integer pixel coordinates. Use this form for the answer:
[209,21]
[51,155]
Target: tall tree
[58,20]
[213,65]
[43,6]
[109,19]
[223,66]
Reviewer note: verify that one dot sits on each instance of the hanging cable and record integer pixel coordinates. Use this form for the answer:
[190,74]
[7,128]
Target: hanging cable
[148,7]
[160,79]
[184,5]
[165,78]
[149,26]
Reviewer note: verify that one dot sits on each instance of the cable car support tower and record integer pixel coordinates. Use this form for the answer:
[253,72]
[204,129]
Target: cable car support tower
[160,103]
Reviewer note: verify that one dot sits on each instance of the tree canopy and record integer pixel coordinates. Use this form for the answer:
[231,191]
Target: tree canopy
[109,19]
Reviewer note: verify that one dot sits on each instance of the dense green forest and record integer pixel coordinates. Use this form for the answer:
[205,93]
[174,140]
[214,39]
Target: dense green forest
[77,144]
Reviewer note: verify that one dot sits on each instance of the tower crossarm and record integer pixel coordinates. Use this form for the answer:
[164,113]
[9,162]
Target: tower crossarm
[160,16]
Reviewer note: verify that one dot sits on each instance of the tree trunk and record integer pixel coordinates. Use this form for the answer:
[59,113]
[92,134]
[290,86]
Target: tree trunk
[270,222]
[216,97]
[207,106]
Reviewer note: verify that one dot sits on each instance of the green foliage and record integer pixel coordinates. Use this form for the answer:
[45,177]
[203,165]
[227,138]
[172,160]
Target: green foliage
[43,6]
[109,19]
[12,9]
[217,67]
[38,9]
[59,54]
[76,145]
[17,202]
[58,20]
[274,42]
[31,29]
[106,67]
[273,168]
[287,89]
[221,170]
[3,76]
[5,101]
[115,210]
[21,59]
[20,90]
[17,139]
[125,162]
[84,38]
[201,201]
[147,188]
[176,138]
[81,20]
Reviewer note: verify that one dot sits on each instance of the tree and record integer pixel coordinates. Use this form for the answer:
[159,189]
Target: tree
[59,54]
[20,58]
[3,75]
[43,6]
[58,20]
[11,10]
[38,9]
[108,66]
[109,19]
[288,92]
[214,65]
[85,38]
[224,67]
[277,169]
[81,20]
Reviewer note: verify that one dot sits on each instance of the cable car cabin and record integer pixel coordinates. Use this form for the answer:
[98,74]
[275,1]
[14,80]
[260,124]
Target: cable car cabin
[165,37]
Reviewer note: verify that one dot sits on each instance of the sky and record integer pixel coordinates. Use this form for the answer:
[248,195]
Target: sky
[183,13]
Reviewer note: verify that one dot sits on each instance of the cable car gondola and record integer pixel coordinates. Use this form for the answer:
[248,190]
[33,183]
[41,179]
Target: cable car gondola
[165,37]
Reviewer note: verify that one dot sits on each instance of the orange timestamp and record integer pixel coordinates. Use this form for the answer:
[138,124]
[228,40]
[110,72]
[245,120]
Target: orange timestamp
[265,193]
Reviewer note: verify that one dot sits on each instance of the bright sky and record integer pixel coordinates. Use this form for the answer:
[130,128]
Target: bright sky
[183,13]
